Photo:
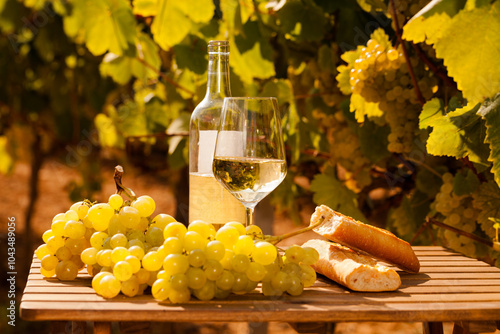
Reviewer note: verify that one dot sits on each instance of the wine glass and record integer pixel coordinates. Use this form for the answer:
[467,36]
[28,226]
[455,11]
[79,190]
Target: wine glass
[249,157]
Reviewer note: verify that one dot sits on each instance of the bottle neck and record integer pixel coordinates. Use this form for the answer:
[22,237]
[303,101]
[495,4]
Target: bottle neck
[218,85]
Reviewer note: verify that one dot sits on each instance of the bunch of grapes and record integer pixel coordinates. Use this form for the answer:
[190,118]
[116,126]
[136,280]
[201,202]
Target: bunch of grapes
[345,150]
[458,212]
[126,250]
[381,75]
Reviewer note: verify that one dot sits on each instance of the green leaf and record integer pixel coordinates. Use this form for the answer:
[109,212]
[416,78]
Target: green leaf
[326,59]
[192,57]
[156,115]
[170,26]
[429,183]
[332,193]
[108,135]
[430,23]
[302,20]
[251,54]
[465,183]
[232,16]
[432,111]
[372,5]
[145,7]
[493,139]
[472,56]
[373,141]
[487,200]
[116,67]
[200,11]
[459,134]
[147,63]
[109,26]
[6,161]
[361,108]
[407,218]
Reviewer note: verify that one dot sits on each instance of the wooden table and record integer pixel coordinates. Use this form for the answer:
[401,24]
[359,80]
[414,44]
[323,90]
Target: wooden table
[450,287]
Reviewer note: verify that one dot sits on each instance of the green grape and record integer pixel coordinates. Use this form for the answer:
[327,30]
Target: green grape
[130,287]
[142,276]
[163,274]
[179,296]
[292,268]
[238,226]
[59,216]
[129,217]
[308,275]
[136,242]
[63,253]
[46,235]
[251,285]
[215,250]
[77,261]
[264,253]
[161,289]
[66,270]
[122,270]
[213,269]
[103,258]
[240,283]
[115,201]
[173,245]
[240,263]
[255,272]
[70,215]
[225,281]
[119,254]
[97,279]
[311,256]
[227,259]
[54,243]
[118,240]
[47,273]
[151,262]
[174,229]
[81,208]
[272,269]
[143,224]
[97,240]
[74,229]
[295,254]
[57,227]
[162,252]
[228,235]
[134,262]
[281,281]
[193,240]
[135,235]
[201,228]
[89,256]
[206,292]
[269,291]
[179,281]
[296,286]
[41,251]
[100,215]
[175,264]
[49,262]
[109,286]
[220,293]
[196,278]
[145,205]
[161,220]
[254,231]
[154,236]
[197,258]
[115,227]
[244,245]
[76,246]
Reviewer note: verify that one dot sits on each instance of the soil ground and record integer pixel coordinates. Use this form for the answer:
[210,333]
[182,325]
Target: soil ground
[54,181]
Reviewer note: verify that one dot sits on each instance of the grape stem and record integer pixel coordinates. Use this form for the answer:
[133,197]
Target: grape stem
[119,186]
[456,230]
[399,34]
[278,238]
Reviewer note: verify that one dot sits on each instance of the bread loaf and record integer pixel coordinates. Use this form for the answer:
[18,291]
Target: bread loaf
[356,271]
[379,243]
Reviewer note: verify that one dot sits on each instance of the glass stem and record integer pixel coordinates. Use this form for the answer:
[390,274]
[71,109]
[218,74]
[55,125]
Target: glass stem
[249,216]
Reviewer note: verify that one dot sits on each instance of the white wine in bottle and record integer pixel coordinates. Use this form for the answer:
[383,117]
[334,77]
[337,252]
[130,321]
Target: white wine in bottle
[208,199]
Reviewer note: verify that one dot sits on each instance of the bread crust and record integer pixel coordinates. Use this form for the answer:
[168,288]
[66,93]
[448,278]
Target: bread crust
[364,238]
[351,269]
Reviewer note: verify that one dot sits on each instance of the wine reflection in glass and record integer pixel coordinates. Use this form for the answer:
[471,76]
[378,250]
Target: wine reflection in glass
[249,158]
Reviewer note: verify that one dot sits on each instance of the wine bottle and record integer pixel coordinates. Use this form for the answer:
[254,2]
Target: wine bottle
[208,199]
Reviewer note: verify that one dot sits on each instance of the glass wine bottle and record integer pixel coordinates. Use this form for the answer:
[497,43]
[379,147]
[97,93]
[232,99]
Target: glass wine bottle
[208,199]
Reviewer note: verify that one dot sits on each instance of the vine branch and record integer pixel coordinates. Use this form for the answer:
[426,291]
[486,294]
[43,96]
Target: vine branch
[474,237]
[405,53]
[438,71]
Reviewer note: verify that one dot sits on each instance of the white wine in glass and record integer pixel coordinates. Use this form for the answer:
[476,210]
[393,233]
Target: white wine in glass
[249,159]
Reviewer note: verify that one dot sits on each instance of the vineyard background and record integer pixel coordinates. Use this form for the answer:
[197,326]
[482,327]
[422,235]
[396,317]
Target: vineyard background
[390,110]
